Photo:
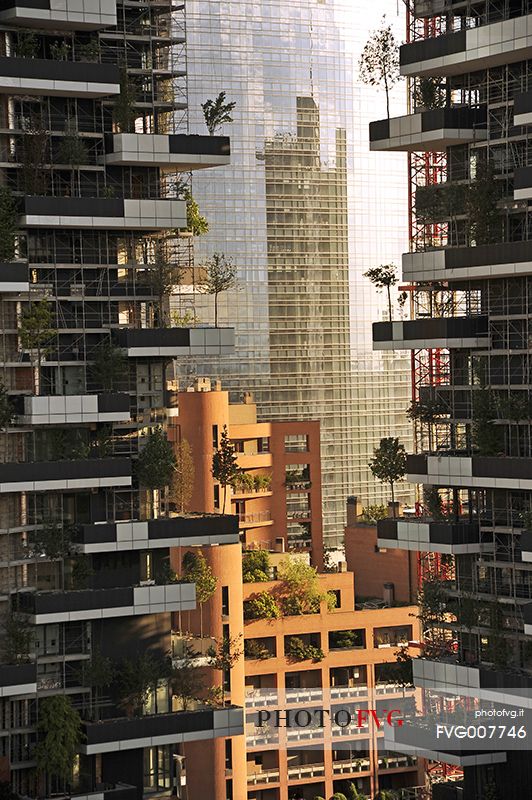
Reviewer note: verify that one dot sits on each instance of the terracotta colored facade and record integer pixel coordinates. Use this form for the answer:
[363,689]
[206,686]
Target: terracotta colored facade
[256,768]
[283,513]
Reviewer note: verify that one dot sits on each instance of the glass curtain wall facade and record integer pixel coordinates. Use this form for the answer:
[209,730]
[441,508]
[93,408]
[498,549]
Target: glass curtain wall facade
[304,210]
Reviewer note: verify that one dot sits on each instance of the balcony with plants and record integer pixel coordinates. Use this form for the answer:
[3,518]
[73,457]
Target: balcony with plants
[182,152]
[69,16]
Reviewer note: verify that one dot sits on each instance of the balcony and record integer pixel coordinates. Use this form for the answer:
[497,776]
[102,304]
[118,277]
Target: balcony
[174,342]
[42,76]
[103,212]
[456,538]
[257,519]
[14,277]
[488,472]
[160,729]
[302,772]
[522,183]
[122,601]
[180,531]
[263,776]
[485,261]
[435,129]
[17,679]
[75,409]
[487,685]
[526,546]
[469,50]
[183,152]
[348,766]
[418,334]
[523,109]
[420,741]
[60,14]
[43,476]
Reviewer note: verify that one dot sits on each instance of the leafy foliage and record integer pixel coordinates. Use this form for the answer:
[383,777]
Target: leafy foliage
[124,113]
[53,540]
[36,332]
[224,464]
[225,653]
[297,650]
[156,462]
[429,93]
[136,679]
[220,276]
[162,276]
[255,566]
[389,462]
[196,570]
[109,368]
[299,590]
[262,605]
[384,277]
[35,157]
[486,437]
[59,735]
[217,112]
[253,648]
[372,514]
[186,680]
[379,62]
[182,484]
[7,409]
[197,224]
[17,639]
[484,220]
[8,224]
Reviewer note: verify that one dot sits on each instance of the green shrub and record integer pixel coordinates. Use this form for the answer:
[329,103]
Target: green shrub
[255,566]
[261,606]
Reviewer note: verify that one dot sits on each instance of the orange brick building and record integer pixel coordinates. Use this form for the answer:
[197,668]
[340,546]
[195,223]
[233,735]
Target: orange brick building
[354,644]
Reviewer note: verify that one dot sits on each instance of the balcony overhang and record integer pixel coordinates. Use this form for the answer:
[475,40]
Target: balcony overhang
[175,342]
[45,608]
[43,476]
[17,680]
[450,333]
[527,613]
[469,263]
[411,740]
[14,277]
[103,212]
[108,736]
[487,685]
[183,152]
[483,472]
[526,546]
[523,109]
[431,537]
[432,130]
[184,531]
[76,409]
[59,14]
[522,183]
[469,50]
[40,76]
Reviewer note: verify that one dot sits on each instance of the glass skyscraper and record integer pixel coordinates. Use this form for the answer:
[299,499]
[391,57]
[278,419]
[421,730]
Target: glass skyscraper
[304,210]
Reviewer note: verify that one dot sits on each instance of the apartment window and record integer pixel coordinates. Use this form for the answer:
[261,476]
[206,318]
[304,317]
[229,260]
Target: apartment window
[228,754]
[263,444]
[296,443]
[215,436]
[225,601]
[157,773]
[229,789]
[392,636]
[216,494]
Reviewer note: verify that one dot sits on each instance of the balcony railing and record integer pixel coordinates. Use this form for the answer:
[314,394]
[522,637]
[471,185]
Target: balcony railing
[257,516]
[349,765]
[264,776]
[304,771]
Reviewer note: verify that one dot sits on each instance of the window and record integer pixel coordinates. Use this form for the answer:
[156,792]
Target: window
[216,492]
[263,445]
[296,443]
[392,636]
[157,774]
[215,436]
[228,754]
[225,601]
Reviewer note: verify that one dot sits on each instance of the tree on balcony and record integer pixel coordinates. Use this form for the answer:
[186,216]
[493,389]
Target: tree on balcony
[109,369]
[195,569]
[299,590]
[384,277]
[36,332]
[73,151]
[124,110]
[379,62]
[186,680]
[429,93]
[136,679]
[17,639]
[98,673]
[225,653]
[389,463]
[485,222]
[217,113]
[163,275]
[182,484]
[197,224]
[35,157]
[58,739]
[256,566]
[262,605]
[220,276]
[8,224]
[156,465]
[224,464]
